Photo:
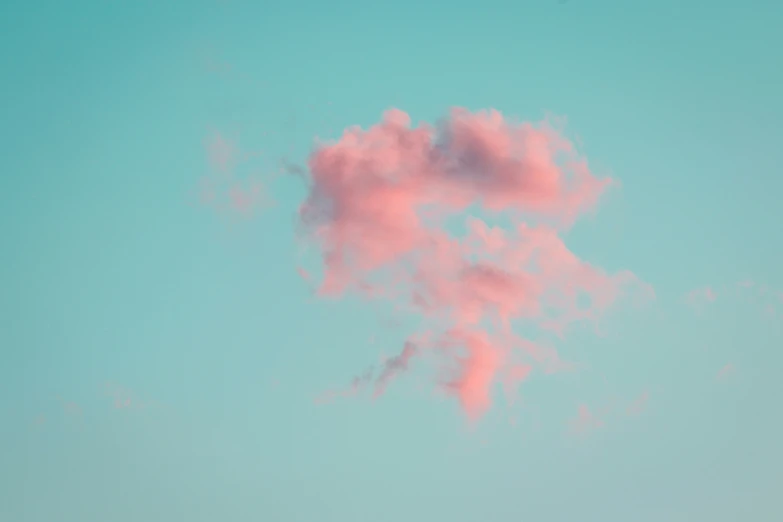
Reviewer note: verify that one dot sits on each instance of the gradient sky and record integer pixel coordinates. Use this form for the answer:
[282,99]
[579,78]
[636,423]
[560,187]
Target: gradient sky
[161,359]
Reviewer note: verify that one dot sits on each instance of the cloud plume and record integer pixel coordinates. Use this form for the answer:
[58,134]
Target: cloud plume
[461,223]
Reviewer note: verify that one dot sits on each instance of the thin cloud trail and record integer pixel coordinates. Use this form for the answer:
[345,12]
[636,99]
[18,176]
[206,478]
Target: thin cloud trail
[768,300]
[585,421]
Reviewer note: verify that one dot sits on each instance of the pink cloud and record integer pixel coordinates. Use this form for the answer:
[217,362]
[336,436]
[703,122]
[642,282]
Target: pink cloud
[515,375]
[700,298]
[478,369]
[585,421]
[381,208]
[304,274]
[223,189]
[222,153]
[122,398]
[725,372]
[768,299]
[639,405]
[70,408]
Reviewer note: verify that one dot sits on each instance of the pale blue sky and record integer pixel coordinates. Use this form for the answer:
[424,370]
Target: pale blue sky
[109,273]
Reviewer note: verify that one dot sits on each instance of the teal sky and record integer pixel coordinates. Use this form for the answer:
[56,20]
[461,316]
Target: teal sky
[117,288]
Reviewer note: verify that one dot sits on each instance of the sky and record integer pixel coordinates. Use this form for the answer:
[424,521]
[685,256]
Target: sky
[379,261]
